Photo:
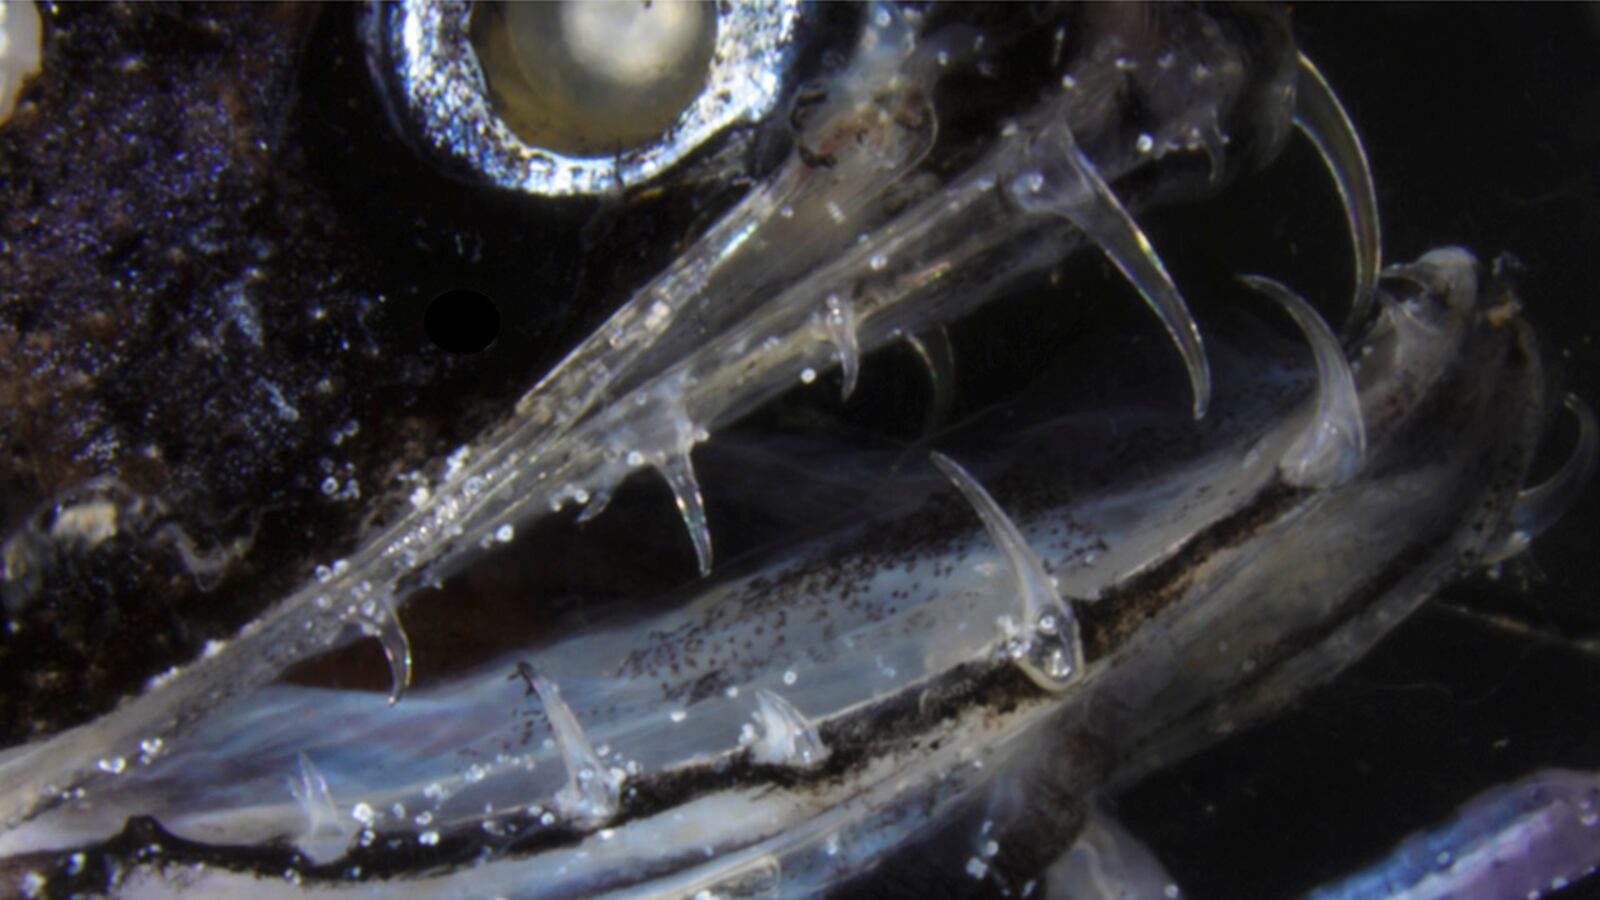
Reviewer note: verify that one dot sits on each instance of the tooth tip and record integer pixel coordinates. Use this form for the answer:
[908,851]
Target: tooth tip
[1321,117]
[1332,450]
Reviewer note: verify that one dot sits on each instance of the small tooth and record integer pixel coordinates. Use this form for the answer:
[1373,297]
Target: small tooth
[1321,118]
[383,623]
[678,470]
[592,791]
[1333,449]
[787,737]
[1045,644]
[326,833]
[1215,144]
[839,323]
[939,359]
[1539,507]
[1066,183]
[596,505]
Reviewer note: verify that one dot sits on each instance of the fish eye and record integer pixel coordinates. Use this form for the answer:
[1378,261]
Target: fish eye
[574,98]
[589,79]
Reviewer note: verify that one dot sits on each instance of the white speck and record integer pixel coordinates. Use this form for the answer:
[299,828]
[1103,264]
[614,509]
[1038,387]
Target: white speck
[548,818]
[878,262]
[32,884]
[113,766]
[1144,143]
[990,849]
[657,316]
[424,818]
[419,497]
[428,838]
[789,677]
[635,458]
[504,533]
[363,813]
[330,485]
[1028,183]
[808,375]
[75,863]
[678,715]
[732,691]
[977,868]
[1171,892]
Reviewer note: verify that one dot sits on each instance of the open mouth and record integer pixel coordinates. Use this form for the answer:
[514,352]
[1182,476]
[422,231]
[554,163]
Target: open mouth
[935,607]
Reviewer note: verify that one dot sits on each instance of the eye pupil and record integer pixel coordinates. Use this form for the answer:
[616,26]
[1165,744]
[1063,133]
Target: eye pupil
[593,78]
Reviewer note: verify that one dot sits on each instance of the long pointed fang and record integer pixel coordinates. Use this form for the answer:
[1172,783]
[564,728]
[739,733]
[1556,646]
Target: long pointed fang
[1045,645]
[1321,118]
[939,359]
[1066,183]
[678,470]
[378,618]
[1332,450]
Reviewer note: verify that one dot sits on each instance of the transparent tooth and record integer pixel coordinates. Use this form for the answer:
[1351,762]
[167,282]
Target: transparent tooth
[1045,643]
[787,738]
[377,618]
[1057,178]
[839,324]
[326,834]
[1321,118]
[939,359]
[591,795]
[678,470]
[1539,507]
[1331,451]
[596,505]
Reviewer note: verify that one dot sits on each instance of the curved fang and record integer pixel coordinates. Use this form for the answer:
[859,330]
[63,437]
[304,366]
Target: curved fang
[383,623]
[939,359]
[1045,645]
[1066,183]
[1539,507]
[839,324]
[679,473]
[593,791]
[1332,450]
[1321,118]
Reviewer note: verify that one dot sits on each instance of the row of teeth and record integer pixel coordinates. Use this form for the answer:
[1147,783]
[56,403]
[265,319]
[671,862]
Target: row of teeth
[572,443]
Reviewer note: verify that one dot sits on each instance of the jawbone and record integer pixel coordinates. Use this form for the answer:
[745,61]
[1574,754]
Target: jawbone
[1137,584]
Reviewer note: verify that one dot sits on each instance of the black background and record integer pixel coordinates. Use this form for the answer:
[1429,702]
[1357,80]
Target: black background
[1482,124]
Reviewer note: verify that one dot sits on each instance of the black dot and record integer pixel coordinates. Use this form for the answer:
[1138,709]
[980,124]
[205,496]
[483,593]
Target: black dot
[461,321]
